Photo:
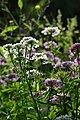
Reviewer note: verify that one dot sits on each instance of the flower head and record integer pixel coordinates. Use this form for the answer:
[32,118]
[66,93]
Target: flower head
[3,82]
[74,49]
[7,46]
[50,56]
[49,44]
[57,62]
[67,64]
[2,60]
[39,56]
[54,31]
[11,77]
[29,42]
[52,83]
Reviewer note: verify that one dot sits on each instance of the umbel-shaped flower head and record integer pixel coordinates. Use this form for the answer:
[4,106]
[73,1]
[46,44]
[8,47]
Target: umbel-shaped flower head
[54,31]
[29,42]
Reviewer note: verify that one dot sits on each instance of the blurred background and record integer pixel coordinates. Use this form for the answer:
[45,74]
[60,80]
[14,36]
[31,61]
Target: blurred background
[20,18]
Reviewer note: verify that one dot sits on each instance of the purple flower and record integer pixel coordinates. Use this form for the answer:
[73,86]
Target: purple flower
[11,77]
[50,56]
[2,60]
[61,95]
[74,48]
[46,45]
[67,64]
[57,62]
[3,82]
[73,74]
[12,69]
[76,62]
[55,44]
[30,53]
[37,93]
[52,83]
[53,98]
[58,97]
[49,44]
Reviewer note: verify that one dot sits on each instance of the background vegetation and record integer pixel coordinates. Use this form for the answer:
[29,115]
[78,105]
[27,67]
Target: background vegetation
[39,74]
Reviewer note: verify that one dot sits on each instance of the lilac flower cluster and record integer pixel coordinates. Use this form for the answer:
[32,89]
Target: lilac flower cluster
[66,64]
[50,56]
[49,44]
[56,98]
[12,77]
[2,61]
[3,82]
[57,62]
[53,83]
[74,49]
[36,94]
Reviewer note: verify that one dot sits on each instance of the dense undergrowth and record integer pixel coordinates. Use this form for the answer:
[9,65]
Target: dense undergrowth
[40,70]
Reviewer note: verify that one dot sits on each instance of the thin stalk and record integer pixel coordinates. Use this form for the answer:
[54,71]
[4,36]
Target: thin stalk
[11,15]
[30,88]
[16,71]
[77,95]
[77,85]
[35,103]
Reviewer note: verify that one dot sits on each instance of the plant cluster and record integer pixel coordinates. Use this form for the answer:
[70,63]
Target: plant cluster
[43,82]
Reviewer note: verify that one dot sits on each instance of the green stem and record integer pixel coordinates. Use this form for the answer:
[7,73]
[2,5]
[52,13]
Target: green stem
[35,102]
[77,95]
[77,85]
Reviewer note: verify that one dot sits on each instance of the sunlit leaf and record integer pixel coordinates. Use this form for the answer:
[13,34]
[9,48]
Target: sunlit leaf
[9,29]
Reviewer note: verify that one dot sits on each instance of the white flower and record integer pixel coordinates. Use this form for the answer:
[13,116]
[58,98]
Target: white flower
[38,56]
[6,47]
[27,40]
[29,43]
[33,71]
[54,31]
[17,45]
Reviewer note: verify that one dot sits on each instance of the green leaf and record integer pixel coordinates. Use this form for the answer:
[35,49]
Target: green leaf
[20,4]
[32,117]
[7,90]
[77,80]
[9,29]
[2,112]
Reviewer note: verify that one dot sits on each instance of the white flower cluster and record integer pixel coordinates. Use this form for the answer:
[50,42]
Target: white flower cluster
[54,31]
[26,49]
[6,49]
[7,46]
[33,71]
[29,43]
[26,44]
[39,56]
